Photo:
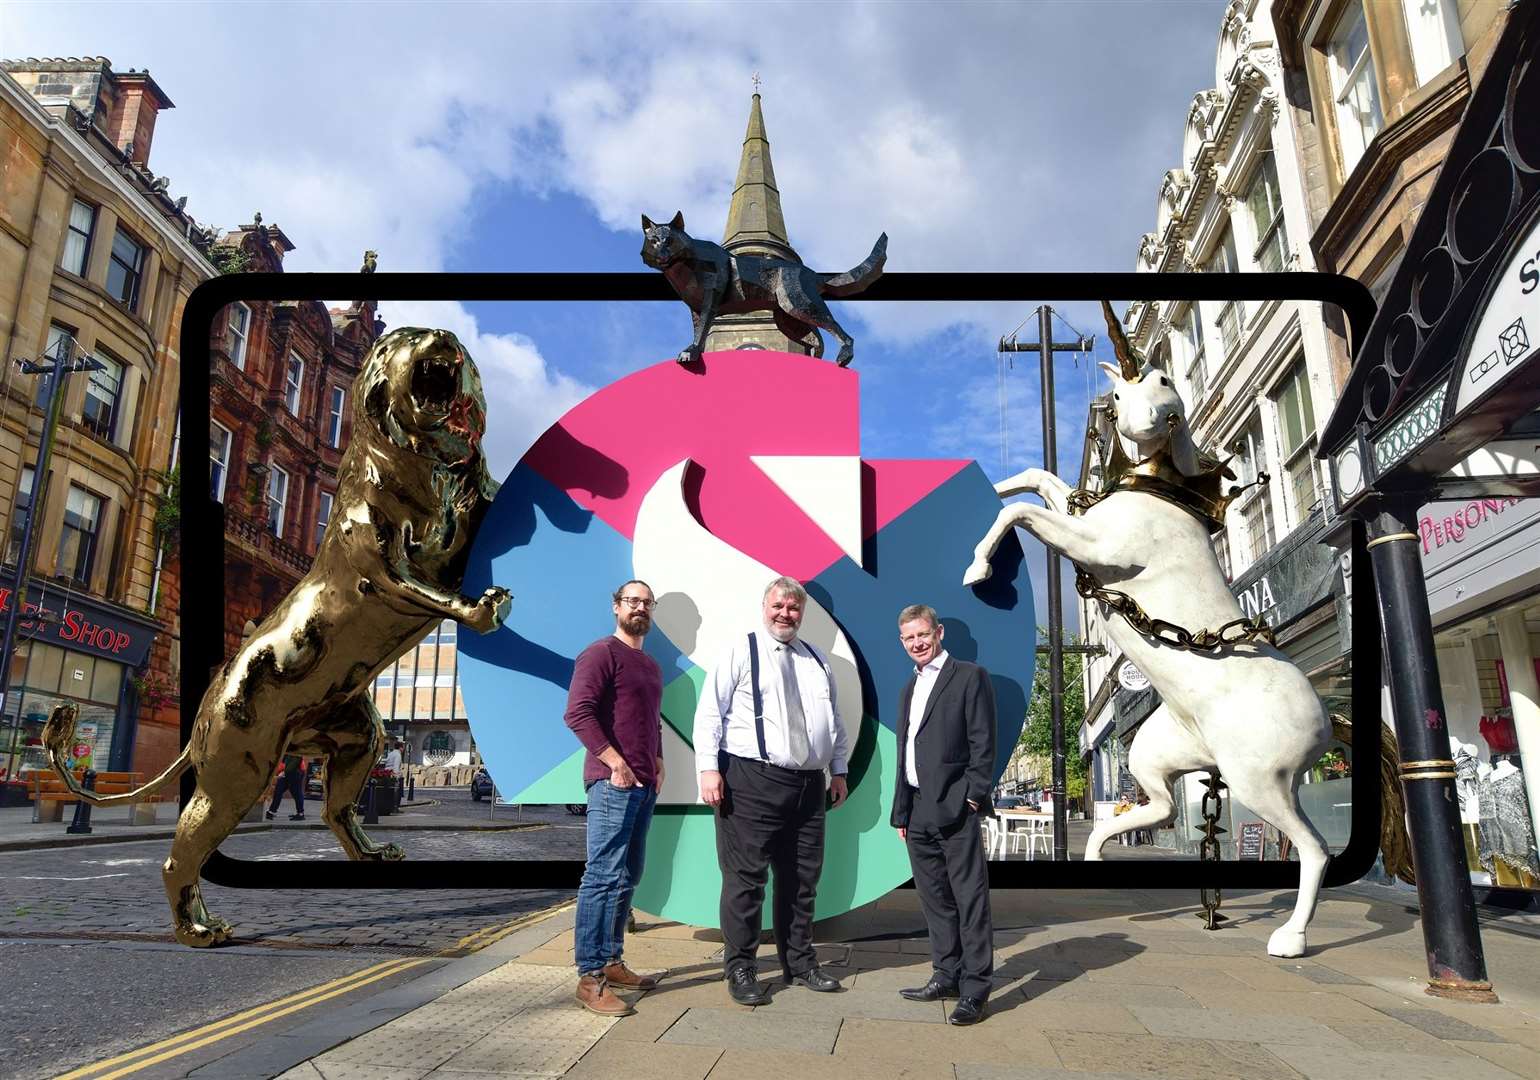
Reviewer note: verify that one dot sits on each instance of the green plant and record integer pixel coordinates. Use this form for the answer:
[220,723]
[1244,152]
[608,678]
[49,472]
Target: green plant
[153,692]
[168,510]
[1037,734]
[264,433]
[228,259]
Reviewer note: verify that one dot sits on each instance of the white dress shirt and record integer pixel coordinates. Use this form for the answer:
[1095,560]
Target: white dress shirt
[924,683]
[724,716]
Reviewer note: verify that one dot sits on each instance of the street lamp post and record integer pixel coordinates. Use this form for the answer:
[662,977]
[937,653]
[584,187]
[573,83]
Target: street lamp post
[1045,347]
[54,371]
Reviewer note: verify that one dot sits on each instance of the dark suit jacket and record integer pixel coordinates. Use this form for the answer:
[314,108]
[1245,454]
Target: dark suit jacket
[954,753]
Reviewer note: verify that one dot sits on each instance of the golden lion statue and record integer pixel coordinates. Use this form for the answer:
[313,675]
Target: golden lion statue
[412,490]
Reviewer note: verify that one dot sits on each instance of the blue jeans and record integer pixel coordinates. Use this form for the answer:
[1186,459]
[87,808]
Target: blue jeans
[617,844]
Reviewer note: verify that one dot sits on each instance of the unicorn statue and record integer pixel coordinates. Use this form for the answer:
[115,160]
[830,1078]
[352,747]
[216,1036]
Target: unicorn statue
[1230,700]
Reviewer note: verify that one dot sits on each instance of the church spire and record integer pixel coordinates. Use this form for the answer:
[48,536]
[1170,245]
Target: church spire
[754,220]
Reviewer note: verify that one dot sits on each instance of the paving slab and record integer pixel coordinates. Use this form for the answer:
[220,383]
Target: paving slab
[1441,1025]
[754,1029]
[998,1039]
[978,1071]
[738,1064]
[1161,1056]
[1334,1063]
[863,1003]
[1226,1025]
[1087,992]
[512,1050]
[1519,1060]
[1393,1037]
[661,1061]
[1317,1004]
[1044,1015]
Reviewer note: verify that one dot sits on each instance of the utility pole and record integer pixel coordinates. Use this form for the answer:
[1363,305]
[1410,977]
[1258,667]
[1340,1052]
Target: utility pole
[54,370]
[1045,347]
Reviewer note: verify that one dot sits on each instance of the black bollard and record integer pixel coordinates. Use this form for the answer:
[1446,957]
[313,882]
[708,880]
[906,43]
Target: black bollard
[400,790]
[411,789]
[81,823]
[371,813]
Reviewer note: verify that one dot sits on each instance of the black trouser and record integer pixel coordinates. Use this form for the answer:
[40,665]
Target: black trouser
[952,878]
[292,781]
[771,819]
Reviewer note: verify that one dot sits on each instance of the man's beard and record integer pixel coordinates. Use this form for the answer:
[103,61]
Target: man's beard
[637,624]
[783,634]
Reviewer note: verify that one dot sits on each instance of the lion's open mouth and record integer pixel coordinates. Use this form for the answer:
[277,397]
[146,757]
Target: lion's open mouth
[435,382]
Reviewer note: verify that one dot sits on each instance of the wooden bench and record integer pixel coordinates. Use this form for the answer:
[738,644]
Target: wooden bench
[50,794]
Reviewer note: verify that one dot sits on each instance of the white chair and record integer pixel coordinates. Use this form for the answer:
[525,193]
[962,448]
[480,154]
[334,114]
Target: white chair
[991,837]
[1037,832]
[1018,835]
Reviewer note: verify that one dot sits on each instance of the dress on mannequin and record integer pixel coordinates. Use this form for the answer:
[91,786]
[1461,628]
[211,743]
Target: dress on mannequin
[1507,836]
[1466,760]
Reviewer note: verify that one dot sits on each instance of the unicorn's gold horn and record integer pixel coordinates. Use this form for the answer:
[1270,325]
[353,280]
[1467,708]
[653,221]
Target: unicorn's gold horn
[1127,360]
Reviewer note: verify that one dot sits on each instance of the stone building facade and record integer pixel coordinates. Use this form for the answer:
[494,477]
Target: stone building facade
[95,255]
[280,407]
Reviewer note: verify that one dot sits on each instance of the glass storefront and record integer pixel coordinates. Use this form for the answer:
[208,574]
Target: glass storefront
[42,676]
[1488,671]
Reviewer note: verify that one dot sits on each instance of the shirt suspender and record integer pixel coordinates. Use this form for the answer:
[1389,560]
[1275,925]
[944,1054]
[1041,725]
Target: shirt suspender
[759,703]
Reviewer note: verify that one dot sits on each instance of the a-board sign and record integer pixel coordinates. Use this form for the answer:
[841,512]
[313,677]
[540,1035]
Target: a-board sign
[1126,785]
[1252,833]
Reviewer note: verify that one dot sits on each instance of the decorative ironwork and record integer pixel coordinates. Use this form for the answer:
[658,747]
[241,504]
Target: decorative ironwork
[1415,427]
[1208,848]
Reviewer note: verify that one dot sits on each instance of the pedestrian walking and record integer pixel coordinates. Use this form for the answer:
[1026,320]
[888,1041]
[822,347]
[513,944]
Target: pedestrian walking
[613,709]
[765,732]
[946,762]
[291,778]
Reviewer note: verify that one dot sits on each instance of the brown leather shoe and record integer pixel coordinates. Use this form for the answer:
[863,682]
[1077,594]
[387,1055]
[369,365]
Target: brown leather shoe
[617,974]
[595,995]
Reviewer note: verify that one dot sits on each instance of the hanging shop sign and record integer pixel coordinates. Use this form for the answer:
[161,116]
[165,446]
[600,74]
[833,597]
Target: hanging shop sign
[1507,335]
[1131,678]
[79,623]
[1289,580]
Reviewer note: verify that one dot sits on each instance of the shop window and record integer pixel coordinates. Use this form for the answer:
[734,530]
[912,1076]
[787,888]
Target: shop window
[77,239]
[334,428]
[1296,422]
[77,548]
[1354,86]
[79,673]
[294,379]
[42,669]
[1433,29]
[323,516]
[125,269]
[237,327]
[219,460]
[106,682]
[277,499]
[103,394]
[19,508]
[1262,200]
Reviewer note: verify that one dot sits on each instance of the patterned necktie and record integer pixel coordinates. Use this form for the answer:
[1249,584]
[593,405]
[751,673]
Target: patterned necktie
[796,722]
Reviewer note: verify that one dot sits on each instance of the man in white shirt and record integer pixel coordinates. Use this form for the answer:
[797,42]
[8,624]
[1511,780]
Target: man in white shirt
[946,762]
[765,731]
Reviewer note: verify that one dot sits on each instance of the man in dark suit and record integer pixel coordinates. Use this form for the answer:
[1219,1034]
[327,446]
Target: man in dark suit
[946,759]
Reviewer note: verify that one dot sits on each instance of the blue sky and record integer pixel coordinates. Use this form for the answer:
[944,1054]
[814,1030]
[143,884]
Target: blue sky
[481,137]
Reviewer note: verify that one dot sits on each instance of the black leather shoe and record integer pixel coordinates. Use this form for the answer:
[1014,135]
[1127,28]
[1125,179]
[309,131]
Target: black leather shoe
[970,1010]
[814,979]
[934,990]
[743,986]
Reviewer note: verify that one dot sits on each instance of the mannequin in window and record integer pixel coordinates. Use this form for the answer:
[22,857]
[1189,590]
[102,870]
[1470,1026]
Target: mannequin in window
[1507,835]
[1467,762]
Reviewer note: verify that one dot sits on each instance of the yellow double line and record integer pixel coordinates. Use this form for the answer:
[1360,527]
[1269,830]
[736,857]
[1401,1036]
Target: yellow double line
[188,1041]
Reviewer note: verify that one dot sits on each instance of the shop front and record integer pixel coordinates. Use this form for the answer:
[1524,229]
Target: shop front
[1482,563]
[70,648]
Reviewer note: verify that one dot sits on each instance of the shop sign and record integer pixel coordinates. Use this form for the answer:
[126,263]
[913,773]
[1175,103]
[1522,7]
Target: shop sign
[84,627]
[1451,523]
[1131,678]
[1509,328]
[1284,584]
[1252,835]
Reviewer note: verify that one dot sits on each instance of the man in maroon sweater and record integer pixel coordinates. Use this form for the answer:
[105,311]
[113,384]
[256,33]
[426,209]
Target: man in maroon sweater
[613,708]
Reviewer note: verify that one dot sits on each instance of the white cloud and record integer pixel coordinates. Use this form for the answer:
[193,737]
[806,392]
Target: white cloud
[524,396]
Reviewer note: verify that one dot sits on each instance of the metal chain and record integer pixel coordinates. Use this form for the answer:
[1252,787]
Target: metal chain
[1208,848]
[1234,632]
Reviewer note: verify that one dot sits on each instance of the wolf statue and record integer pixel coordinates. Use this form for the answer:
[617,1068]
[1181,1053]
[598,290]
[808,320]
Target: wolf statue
[713,282]
[412,490]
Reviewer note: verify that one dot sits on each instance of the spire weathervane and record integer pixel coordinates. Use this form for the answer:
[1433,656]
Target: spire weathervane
[756,82]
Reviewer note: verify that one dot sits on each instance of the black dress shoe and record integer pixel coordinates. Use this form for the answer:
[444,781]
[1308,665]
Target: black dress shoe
[934,990]
[743,986]
[815,979]
[970,1010]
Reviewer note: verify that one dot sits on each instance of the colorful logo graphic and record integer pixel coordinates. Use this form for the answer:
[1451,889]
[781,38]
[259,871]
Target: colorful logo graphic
[706,482]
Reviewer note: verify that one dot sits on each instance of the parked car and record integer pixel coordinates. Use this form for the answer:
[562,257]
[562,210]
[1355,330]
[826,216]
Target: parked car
[1009,802]
[481,784]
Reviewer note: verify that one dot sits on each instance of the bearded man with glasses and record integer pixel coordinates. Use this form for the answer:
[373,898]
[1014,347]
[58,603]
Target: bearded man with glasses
[613,707]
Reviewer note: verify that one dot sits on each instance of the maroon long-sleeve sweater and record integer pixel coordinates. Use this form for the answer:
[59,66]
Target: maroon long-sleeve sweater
[614,701]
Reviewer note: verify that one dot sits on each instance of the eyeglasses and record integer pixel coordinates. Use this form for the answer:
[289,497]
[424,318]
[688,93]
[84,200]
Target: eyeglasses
[634,602]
